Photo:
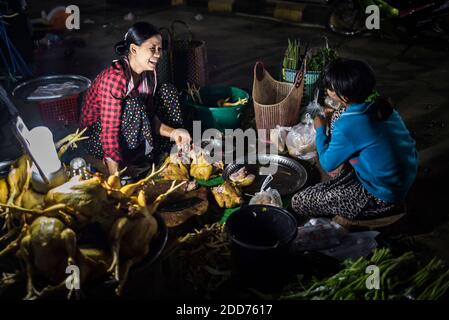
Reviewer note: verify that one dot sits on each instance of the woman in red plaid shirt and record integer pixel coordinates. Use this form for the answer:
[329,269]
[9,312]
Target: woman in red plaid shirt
[124,115]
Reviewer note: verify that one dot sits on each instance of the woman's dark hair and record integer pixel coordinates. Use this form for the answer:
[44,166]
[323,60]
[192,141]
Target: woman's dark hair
[352,79]
[137,34]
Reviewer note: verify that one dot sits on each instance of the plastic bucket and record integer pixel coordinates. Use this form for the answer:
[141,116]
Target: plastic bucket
[212,116]
[56,106]
[261,236]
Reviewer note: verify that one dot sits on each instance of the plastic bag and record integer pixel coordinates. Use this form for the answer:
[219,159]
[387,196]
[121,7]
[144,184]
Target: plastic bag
[301,140]
[331,103]
[267,195]
[319,234]
[353,246]
[313,108]
[278,137]
[327,237]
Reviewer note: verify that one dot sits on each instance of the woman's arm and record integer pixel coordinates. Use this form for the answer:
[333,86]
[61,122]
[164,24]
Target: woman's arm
[332,152]
[180,136]
[162,128]
[111,90]
[112,166]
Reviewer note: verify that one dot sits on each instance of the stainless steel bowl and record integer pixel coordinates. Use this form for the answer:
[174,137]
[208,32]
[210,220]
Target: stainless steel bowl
[288,179]
[25,89]
[5,167]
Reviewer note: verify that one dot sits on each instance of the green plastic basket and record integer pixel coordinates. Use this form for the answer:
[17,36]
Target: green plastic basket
[309,83]
[289,75]
[212,116]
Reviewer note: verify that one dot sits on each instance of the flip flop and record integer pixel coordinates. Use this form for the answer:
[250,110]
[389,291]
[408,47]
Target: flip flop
[370,224]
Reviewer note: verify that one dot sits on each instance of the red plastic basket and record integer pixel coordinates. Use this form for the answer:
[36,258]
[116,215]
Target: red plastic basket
[60,111]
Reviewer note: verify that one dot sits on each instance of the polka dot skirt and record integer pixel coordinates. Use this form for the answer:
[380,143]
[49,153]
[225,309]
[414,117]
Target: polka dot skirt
[135,126]
[169,112]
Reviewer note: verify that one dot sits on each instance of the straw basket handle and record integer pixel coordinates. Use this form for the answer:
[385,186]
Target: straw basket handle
[169,37]
[259,71]
[300,74]
[172,28]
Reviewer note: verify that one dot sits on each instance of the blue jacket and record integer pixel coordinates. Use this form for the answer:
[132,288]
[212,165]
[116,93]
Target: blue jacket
[382,153]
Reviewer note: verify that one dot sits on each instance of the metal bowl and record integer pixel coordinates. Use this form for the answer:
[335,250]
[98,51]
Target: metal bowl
[25,89]
[5,166]
[157,245]
[289,178]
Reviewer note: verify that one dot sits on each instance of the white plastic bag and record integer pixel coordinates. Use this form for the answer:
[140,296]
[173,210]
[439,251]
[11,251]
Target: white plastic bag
[301,140]
[267,195]
[278,137]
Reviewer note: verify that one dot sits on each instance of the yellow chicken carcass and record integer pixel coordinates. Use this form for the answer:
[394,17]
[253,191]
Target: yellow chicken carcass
[4,191]
[47,248]
[132,188]
[114,181]
[28,198]
[131,235]
[17,177]
[82,195]
[88,198]
[200,168]
[174,169]
[33,200]
[226,102]
[227,196]
[241,178]
[219,166]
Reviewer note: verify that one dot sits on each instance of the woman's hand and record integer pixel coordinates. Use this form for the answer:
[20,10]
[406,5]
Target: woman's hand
[181,137]
[319,121]
[328,112]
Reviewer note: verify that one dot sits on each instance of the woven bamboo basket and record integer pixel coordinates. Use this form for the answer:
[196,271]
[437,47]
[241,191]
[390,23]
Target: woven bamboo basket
[275,102]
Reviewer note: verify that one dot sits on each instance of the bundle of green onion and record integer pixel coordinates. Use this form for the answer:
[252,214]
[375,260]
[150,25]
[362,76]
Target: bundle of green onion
[399,278]
[292,55]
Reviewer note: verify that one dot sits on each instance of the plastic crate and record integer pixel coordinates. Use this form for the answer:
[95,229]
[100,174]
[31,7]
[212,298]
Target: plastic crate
[60,111]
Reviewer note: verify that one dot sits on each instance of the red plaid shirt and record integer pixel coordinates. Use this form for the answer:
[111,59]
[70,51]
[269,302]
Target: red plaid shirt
[103,102]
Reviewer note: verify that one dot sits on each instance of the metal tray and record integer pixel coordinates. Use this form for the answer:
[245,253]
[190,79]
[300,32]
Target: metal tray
[289,178]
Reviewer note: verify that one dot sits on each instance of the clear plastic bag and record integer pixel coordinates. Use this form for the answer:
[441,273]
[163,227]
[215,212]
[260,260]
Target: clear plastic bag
[301,140]
[327,237]
[353,246]
[313,108]
[278,137]
[331,103]
[267,195]
[319,234]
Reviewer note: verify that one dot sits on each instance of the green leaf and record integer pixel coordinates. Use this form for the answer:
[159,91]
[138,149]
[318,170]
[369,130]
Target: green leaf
[211,182]
[227,213]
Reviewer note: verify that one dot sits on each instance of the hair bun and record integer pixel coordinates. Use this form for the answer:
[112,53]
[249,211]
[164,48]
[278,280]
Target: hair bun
[121,48]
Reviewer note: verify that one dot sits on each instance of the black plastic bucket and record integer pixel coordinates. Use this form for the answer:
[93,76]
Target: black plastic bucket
[261,236]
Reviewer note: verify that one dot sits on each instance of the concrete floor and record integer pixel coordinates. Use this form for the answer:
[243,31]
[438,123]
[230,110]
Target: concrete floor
[413,75]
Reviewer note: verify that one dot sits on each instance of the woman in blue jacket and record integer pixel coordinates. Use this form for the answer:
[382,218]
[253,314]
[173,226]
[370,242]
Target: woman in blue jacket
[368,145]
